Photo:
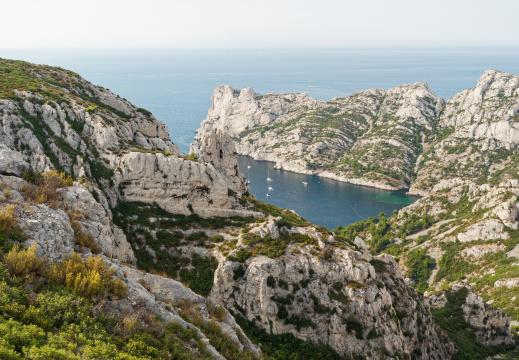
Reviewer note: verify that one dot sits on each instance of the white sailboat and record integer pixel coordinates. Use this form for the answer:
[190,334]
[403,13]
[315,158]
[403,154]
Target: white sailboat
[268,182]
[305,183]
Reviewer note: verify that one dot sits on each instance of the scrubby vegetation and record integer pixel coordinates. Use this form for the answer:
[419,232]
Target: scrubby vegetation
[420,268]
[62,311]
[225,346]
[195,271]
[285,346]
[10,230]
[451,319]
[42,187]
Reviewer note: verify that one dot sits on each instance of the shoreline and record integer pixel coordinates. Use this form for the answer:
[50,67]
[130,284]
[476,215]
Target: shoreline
[330,176]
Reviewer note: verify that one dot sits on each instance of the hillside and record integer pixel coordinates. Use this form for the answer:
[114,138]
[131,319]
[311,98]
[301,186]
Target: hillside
[163,256]
[402,138]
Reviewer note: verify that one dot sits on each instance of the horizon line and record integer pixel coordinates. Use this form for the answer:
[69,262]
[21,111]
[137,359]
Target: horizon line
[281,48]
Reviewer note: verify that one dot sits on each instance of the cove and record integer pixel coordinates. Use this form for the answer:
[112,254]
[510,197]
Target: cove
[324,202]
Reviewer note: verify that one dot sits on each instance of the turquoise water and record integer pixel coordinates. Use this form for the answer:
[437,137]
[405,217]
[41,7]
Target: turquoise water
[177,87]
[324,202]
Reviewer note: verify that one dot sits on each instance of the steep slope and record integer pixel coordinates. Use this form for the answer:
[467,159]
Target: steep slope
[477,135]
[402,138]
[54,119]
[371,137]
[460,234]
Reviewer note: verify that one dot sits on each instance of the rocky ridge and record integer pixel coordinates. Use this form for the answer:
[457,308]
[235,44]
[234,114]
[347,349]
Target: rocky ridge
[403,138]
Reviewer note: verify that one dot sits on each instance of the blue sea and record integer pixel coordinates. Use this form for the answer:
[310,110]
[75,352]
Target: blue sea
[176,85]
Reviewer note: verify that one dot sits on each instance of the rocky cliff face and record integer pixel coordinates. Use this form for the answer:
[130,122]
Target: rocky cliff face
[342,139]
[490,325]
[403,138]
[477,135]
[358,305]
[218,150]
[63,122]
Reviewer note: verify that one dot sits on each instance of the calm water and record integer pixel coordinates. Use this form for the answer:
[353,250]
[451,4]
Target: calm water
[324,202]
[177,87]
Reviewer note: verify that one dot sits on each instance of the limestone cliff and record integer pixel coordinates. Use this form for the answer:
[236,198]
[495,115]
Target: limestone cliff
[405,137]
[343,139]
[477,135]
[60,121]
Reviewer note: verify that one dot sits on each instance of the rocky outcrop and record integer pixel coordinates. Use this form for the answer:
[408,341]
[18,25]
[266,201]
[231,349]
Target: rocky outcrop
[176,184]
[332,139]
[218,150]
[96,221]
[403,138]
[50,228]
[490,325]
[124,151]
[329,295]
[476,135]
[162,296]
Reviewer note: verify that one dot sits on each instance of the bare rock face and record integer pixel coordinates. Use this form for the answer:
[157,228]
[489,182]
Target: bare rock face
[48,228]
[335,298]
[51,228]
[97,222]
[476,135]
[218,150]
[487,112]
[491,325]
[174,183]
[326,138]
[234,111]
[12,162]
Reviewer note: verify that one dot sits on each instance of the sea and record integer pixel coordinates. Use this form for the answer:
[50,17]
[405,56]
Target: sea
[176,86]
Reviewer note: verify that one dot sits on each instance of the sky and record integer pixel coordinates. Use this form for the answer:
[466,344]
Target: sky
[174,24]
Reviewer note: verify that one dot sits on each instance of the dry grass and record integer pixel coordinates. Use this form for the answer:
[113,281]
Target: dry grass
[43,189]
[216,312]
[8,222]
[144,284]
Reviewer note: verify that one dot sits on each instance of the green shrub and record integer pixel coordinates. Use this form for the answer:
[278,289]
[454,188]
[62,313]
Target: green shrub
[200,277]
[286,346]
[22,263]
[353,325]
[218,238]
[238,272]
[198,235]
[89,278]
[243,255]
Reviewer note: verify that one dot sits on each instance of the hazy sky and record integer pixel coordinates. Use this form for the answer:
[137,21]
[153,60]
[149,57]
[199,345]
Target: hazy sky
[36,24]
